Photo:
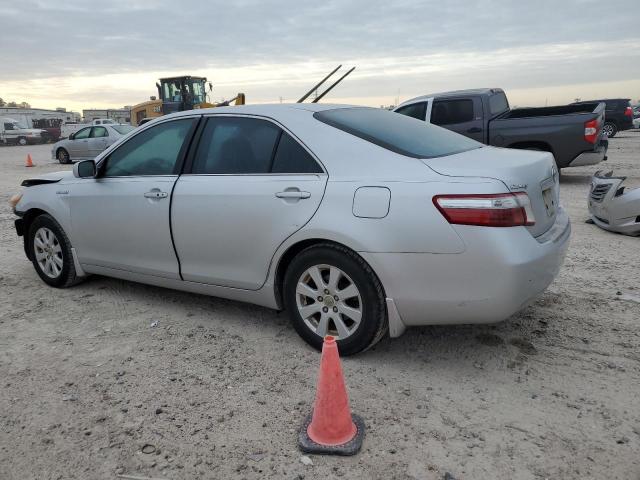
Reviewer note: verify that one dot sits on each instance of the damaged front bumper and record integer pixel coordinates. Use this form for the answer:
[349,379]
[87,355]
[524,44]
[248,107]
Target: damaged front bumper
[612,206]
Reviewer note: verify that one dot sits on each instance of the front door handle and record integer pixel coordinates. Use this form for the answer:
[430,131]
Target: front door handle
[293,194]
[474,130]
[156,194]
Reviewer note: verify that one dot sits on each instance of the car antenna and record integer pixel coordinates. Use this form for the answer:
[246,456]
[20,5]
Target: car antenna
[315,87]
[317,99]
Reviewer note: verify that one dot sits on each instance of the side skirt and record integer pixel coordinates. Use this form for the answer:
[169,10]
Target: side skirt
[264,297]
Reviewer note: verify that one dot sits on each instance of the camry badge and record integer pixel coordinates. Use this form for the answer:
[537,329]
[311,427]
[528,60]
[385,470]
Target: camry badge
[518,186]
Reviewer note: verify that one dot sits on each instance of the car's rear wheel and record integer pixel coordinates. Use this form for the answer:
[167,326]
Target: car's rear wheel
[50,252]
[331,290]
[22,141]
[610,129]
[63,156]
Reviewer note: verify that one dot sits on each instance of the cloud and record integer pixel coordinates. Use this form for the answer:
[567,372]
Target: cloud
[111,53]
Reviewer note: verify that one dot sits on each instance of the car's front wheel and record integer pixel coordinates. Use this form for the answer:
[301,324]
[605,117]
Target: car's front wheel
[331,290]
[610,129]
[63,156]
[22,141]
[50,252]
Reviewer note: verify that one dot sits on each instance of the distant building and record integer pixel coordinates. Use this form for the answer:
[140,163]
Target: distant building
[120,115]
[27,116]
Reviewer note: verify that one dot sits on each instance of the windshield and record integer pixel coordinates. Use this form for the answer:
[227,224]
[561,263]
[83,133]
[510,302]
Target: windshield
[396,132]
[123,129]
[172,91]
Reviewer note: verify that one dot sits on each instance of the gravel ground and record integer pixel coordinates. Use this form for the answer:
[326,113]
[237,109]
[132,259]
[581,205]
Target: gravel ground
[218,389]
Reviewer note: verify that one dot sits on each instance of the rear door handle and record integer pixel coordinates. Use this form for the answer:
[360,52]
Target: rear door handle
[474,130]
[293,194]
[156,194]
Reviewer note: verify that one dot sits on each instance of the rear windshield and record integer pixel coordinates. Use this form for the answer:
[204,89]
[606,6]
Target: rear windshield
[123,129]
[396,132]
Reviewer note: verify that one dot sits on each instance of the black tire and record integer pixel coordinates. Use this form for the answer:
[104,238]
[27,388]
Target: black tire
[373,324]
[63,156]
[22,141]
[610,127]
[67,275]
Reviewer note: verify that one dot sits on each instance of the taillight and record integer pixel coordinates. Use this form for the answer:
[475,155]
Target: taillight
[628,112]
[486,210]
[591,131]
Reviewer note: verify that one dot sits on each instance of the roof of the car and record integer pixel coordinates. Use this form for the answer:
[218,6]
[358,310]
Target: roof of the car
[266,109]
[455,93]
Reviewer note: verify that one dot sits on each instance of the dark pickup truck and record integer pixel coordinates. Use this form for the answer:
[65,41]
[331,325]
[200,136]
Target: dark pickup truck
[573,133]
[618,115]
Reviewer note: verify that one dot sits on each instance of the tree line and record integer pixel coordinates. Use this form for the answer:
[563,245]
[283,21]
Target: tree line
[14,104]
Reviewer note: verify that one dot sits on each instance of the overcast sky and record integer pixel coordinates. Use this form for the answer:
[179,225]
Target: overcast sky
[82,54]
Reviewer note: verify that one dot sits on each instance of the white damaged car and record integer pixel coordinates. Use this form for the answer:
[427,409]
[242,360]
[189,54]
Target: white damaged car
[357,221]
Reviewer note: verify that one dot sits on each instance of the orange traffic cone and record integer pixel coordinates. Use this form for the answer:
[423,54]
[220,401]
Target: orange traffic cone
[331,429]
[29,162]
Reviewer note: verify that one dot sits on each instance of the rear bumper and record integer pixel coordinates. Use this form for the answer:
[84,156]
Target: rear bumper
[593,157]
[499,273]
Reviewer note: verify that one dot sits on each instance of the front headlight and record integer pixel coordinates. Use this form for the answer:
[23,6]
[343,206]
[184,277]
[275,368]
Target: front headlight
[13,201]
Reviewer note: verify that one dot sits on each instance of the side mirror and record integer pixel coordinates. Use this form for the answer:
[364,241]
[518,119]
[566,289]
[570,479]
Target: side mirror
[84,169]
[71,136]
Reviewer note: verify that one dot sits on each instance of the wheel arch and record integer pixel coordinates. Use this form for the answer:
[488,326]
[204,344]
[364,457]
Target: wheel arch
[61,147]
[27,219]
[290,253]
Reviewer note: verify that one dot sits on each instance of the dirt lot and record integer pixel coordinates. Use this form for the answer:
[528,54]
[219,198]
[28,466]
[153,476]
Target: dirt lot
[220,388]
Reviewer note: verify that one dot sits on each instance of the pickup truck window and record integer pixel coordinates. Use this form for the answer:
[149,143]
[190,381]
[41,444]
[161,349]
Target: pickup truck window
[498,103]
[415,110]
[397,133]
[448,112]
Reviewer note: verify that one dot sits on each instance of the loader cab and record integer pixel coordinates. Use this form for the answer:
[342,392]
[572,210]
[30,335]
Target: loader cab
[182,93]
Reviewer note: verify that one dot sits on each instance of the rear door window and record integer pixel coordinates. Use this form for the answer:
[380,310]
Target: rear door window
[236,145]
[498,103]
[99,132]
[449,112]
[415,110]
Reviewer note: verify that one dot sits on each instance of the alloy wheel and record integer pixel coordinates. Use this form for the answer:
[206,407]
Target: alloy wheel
[48,252]
[607,129]
[329,301]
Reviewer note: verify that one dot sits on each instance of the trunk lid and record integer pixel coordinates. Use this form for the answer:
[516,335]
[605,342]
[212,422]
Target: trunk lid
[527,171]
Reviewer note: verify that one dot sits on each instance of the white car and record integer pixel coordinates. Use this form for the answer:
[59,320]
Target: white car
[636,122]
[356,220]
[87,143]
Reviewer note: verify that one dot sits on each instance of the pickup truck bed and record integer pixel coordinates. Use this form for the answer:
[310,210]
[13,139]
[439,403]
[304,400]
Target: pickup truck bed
[573,133]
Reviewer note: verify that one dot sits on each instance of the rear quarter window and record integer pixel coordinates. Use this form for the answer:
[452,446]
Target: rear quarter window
[397,133]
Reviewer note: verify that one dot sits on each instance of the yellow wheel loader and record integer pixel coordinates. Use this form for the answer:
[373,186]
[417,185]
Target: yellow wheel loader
[176,94]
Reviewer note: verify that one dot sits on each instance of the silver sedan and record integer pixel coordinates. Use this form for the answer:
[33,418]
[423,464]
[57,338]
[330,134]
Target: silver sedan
[87,143]
[358,221]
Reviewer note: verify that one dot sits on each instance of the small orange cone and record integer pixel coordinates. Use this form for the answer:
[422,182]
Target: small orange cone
[331,428]
[29,162]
